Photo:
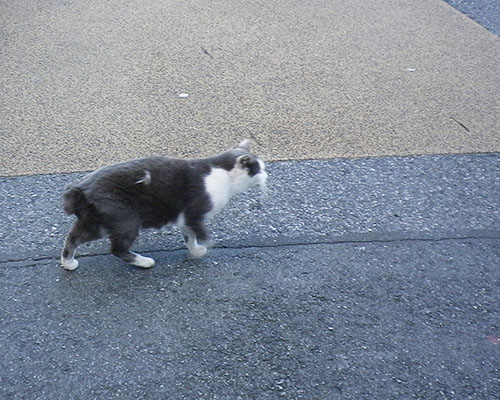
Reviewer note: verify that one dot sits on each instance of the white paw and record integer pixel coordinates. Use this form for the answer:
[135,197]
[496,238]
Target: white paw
[69,264]
[197,252]
[143,262]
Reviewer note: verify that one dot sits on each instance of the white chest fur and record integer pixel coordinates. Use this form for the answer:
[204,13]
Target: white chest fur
[218,185]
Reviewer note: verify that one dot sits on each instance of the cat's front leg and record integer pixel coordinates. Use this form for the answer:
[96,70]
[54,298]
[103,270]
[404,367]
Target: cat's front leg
[195,233]
[196,250]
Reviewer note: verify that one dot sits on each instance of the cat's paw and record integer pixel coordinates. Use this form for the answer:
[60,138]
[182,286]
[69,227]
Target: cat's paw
[143,262]
[69,264]
[197,252]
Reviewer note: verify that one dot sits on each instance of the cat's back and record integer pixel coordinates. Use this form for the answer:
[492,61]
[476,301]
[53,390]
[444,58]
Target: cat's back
[133,175]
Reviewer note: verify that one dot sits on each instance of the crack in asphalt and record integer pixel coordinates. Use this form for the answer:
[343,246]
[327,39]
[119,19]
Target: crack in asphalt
[360,238]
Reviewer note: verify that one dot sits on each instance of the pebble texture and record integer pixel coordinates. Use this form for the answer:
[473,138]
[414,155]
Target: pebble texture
[87,84]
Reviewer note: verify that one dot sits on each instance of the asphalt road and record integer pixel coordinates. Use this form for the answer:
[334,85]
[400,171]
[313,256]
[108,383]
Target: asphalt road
[353,279]
[349,320]
[484,12]
[373,277]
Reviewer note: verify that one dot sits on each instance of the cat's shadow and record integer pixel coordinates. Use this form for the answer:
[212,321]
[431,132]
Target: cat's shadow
[107,268]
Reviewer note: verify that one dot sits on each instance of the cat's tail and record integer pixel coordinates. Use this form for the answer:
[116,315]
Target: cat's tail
[74,201]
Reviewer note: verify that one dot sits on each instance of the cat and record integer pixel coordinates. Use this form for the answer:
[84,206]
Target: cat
[118,200]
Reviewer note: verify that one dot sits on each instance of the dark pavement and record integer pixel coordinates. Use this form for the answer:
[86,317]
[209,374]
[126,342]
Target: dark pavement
[355,278]
[484,12]
[349,320]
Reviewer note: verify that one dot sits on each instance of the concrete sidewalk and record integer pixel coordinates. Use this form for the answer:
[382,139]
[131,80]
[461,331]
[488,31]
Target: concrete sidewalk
[87,84]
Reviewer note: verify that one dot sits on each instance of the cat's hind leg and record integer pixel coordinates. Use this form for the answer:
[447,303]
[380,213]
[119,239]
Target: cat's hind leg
[80,232]
[122,240]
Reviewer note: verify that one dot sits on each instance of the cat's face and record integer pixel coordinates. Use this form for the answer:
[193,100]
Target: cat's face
[249,171]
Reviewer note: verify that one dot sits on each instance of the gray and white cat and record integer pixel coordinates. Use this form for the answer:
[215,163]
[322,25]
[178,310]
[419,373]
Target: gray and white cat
[118,200]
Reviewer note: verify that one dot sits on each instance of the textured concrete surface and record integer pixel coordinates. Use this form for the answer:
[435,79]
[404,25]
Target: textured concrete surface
[87,83]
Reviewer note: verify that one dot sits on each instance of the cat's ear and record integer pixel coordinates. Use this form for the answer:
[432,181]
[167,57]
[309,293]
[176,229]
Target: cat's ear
[243,161]
[245,145]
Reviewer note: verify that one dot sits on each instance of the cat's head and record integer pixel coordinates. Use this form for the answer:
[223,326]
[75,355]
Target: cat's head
[248,170]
